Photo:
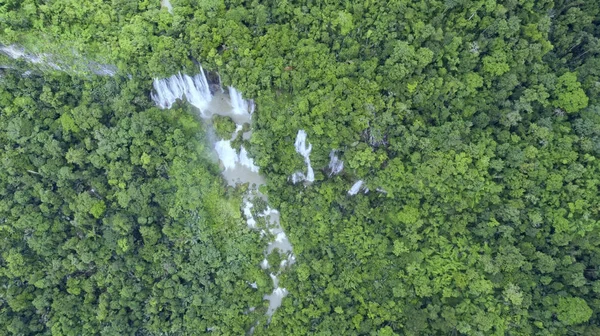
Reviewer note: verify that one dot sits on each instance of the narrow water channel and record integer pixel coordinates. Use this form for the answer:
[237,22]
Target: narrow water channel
[237,167]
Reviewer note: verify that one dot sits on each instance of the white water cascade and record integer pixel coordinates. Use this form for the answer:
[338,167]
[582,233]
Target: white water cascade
[237,168]
[246,161]
[231,159]
[303,149]
[220,83]
[226,154]
[167,5]
[15,52]
[48,60]
[240,106]
[194,89]
[355,188]
[335,164]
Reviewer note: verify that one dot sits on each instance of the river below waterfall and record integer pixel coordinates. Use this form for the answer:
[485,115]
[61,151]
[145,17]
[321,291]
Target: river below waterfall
[237,167]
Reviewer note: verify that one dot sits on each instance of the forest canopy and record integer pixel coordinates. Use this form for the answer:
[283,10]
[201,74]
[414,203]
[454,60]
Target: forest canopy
[474,126]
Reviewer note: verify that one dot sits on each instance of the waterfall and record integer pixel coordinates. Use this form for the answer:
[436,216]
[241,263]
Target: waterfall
[252,106]
[15,52]
[220,83]
[56,63]
[167,5]
[195,89]
[248,214]
[226,154]
[230,158]
[275,297]
[103,69]
[238,168]
[381,190]
[303,149]
[240,106]
[355,188]
[264,264]
[335,164]
[247,161]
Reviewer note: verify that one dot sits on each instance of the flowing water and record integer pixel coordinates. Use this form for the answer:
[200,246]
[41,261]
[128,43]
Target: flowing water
[167,5]
[303,149]
[54,63]
[335,164]
[355,188]
[15,52]
[194,89]
[238,166]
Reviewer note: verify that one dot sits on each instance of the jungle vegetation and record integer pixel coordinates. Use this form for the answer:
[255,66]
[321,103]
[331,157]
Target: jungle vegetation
[474,124]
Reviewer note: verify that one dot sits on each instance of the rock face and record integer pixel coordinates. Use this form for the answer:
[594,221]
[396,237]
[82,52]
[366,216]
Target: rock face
[214,88]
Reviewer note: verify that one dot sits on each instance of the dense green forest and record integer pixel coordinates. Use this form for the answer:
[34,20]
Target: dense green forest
[475,125]
[113,220]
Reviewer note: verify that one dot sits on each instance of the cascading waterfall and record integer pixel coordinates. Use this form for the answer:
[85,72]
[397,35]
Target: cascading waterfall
[240,106]
[195,90]
[381,190]
[252,106]
[226,154]
[15,52]
[355,188]
[231,159]
[246,161]
[248,214]
[47,60]
[167,5]
[303,149]
[220,83]
[237,168]
[335,164]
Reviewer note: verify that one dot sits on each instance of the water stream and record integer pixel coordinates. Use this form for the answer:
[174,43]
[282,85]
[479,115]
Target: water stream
[15,52]
[238,166]
[55,63]
[167,5]
[335,164]
[355,188]
[303,147]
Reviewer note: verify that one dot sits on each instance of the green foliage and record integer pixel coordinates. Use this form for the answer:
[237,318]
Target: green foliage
[475,125]
[570,95]
[113,220]
[224,126]
[573,311]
